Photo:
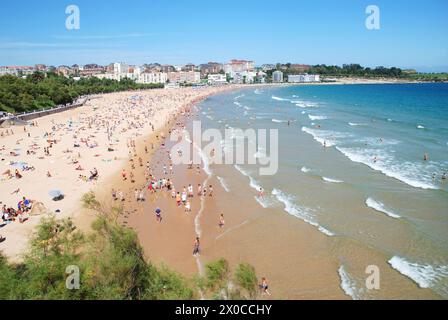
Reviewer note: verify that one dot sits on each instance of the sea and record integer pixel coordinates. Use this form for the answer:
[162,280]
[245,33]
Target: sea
[361,164]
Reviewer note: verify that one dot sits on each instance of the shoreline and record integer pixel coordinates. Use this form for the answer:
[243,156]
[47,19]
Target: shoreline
[170,243]
[59,133]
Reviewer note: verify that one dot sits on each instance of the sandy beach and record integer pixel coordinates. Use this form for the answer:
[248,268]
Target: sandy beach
[62,152]
[117,146]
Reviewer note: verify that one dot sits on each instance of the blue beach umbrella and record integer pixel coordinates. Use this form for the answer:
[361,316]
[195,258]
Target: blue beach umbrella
[158,210]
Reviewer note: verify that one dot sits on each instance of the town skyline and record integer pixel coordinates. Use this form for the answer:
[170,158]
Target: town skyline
[182,33]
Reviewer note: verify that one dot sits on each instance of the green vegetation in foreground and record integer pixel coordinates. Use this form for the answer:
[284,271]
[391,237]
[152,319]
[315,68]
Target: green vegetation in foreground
[44,90]
[112,266]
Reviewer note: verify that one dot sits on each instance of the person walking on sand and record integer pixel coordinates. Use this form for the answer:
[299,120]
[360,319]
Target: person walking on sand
[187,206]
[210,191]
[158,215]
[196,246]
[264,286]
[221,222]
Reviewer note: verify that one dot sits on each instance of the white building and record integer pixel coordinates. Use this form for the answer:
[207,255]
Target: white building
[121,68]
[110,76]
[152,77]
[277,76]
[217,79]
[238,66]
[299,78]
[244,77]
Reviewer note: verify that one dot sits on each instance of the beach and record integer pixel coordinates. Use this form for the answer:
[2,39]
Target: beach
[312,234]
[94,137]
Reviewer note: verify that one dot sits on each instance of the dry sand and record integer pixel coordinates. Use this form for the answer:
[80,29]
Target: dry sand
[126,116]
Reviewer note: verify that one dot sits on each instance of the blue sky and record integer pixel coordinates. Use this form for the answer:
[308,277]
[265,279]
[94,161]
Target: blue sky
[412,34]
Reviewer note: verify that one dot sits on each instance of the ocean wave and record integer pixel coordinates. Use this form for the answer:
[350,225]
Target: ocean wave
[348,284]
[279,99]
[406,172]
[305,170]
[379,206]
[239,97]
[332,180]
[304,104]
[237,104]
[426,276]
[205,161]
[279,121]
[224,184]
[258,91]
[325,138]
[265,202]
[298,211]
[252,182]
[314,118]
[356,124]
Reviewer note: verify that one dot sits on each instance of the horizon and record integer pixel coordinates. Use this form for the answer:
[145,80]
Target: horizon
[305,33]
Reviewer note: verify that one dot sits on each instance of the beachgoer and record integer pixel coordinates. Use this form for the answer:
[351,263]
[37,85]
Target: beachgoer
[264,286]
[196,246]
[221,222]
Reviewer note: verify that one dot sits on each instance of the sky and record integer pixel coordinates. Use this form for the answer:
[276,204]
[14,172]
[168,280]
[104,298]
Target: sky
[411,34]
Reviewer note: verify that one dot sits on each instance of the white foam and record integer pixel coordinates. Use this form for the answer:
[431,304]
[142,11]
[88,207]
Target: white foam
[258,91]
[331,180]
[305,104]
[305,170]
[348,284]
[404,171]
[356,124]
[224,184]
[279,121]
[322,136]
[265,202]
[314,118]
[424,275]
[379,206]
[299,212]
[420,127]
[205,160]
[279,99]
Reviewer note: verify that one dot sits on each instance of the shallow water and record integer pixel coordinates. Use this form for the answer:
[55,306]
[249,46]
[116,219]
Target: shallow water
[351,166]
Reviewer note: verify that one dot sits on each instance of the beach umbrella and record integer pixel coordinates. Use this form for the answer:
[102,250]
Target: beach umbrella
[158,210]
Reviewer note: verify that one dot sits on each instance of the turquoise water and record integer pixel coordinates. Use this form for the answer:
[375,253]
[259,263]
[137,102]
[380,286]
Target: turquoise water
[351,164]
